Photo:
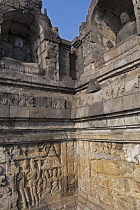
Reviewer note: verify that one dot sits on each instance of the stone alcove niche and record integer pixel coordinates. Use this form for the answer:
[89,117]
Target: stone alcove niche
[104,19]
[19,24]
[102,25]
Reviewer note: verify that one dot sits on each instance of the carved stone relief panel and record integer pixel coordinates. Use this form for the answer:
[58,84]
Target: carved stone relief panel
[31,174]
[30,101]
[69,162]
[28,173]
[121,88]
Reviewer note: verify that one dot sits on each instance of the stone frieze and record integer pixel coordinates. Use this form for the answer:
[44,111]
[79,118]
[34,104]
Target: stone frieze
[29,101]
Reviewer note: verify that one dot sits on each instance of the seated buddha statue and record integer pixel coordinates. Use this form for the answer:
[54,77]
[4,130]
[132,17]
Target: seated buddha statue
[128,29]
[18,53]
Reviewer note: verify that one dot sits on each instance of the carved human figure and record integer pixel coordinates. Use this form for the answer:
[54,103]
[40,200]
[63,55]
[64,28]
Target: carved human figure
[18,52]
[2,177]
[15,151]
[33,178]
[129,28]
[13,172]
[22,178]
[40,181]
[56,188]
[5,197]
[46,182]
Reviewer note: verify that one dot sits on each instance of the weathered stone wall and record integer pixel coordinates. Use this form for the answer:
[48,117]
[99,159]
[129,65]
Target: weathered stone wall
[69,117]
[108,175]
[102,25]
[38,162]
[118,74]
[106,111]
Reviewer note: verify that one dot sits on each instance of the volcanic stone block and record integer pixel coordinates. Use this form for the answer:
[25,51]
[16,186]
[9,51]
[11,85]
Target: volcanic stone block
[18,112]
[113,105]
[96,109]
[4,111]
[131,101]
[36,112]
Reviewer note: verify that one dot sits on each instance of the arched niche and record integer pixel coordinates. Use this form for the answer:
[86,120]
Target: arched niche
[104,19]
[19,24]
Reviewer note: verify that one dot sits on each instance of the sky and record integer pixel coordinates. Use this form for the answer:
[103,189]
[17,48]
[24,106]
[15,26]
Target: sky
[67,15]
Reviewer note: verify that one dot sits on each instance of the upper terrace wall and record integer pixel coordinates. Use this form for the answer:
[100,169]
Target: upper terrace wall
[102,25]
[106,110]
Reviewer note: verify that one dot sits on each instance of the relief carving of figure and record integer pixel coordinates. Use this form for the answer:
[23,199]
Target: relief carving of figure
[56,186]
[14,171]
[40,181]
[46,182]
[33,177]
[2,177]
[23,186]
[5,197]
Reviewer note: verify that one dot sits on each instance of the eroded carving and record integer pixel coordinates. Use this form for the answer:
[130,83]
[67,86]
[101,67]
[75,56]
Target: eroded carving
[2,177]
[22,178]
[32,178]
[28,174]
[22,100]
[93,86]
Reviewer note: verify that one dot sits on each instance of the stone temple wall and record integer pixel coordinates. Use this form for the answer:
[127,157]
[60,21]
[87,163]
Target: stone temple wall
[108,175]
[38,176]
[106,110]
[69,111]
[38,161]
[108,146]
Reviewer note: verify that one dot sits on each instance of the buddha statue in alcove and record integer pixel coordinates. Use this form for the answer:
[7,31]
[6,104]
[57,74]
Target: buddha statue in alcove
[128,28]
[18,53]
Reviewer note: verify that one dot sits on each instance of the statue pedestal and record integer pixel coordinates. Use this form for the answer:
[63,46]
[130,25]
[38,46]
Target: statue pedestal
[14,65]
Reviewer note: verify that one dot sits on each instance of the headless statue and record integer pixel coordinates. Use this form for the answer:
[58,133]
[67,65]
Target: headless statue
[128,29]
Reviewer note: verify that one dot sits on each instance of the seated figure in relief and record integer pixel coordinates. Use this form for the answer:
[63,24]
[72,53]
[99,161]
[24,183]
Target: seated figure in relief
[128,29]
